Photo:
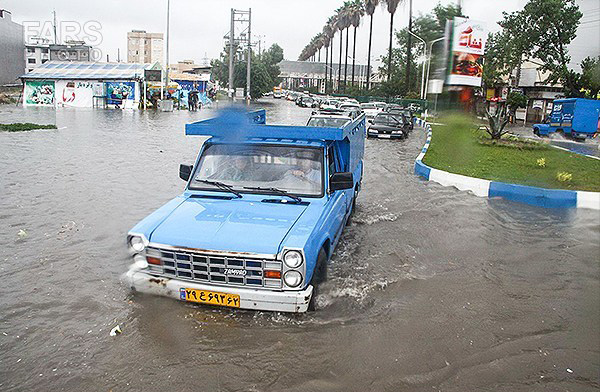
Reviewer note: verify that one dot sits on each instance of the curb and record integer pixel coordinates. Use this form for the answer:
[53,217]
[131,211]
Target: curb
[542,197]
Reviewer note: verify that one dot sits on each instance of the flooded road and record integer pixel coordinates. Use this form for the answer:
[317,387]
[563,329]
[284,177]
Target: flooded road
[430,288]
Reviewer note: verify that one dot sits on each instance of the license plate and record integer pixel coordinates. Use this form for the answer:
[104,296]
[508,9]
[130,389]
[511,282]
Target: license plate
[384,136]
[209,297]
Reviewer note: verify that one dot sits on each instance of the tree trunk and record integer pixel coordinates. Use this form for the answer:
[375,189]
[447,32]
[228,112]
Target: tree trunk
[340,62]
[389,64]
[326,62]
[346,60]
[369,55]
[331,64]
[408,48]
[353,55]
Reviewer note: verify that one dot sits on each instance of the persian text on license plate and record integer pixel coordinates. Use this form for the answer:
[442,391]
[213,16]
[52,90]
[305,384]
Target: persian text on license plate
[209,297]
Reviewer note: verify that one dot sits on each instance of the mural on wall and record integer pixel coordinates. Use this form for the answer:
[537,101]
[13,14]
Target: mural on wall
[75,93]
[117,92]
[39,93]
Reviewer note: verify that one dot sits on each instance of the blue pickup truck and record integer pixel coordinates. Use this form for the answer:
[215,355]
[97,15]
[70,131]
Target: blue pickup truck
[263,209]
[575,117]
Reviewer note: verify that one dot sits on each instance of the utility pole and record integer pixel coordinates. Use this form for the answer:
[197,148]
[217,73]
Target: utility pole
[167,56]
[249,54]
[408,46]
[55,35]
[231,53]
[245,39]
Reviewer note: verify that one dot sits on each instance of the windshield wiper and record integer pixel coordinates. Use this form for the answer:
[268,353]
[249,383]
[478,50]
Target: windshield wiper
[275,190]
[220,185]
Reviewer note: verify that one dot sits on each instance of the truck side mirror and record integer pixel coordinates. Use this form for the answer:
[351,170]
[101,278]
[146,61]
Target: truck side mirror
[340,181]
[185,171]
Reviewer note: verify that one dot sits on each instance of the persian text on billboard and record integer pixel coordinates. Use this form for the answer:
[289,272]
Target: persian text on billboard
[468,45]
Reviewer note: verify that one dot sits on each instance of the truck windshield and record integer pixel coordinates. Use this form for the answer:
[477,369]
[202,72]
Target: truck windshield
[296,170]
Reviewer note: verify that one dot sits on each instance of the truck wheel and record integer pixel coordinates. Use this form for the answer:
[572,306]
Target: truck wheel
[319,276]
[536,131]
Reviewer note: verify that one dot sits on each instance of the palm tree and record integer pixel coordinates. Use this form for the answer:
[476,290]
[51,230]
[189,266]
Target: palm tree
[342,22]
[392,5]
[329,31]
[356,12]
[370,6]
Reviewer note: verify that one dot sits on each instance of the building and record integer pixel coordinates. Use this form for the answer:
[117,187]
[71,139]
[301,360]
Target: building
[12,63]
[143,47]
[86,84]
[39,52]
[307,74]
[532,82]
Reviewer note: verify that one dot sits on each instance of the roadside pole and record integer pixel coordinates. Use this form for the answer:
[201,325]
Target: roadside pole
[231,40]
[249,54]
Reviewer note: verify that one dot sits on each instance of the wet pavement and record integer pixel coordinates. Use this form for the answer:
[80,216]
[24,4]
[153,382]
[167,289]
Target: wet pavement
[429,289]
[590,147]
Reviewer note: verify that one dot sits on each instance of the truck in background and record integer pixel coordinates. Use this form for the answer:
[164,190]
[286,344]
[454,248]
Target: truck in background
[578,118]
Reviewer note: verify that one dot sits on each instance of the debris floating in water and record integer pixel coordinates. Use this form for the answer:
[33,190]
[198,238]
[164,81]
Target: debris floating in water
[569,370]
[22,233]
[115,331]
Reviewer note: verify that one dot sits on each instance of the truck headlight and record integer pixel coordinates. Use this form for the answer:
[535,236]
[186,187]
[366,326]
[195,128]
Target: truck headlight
[137,243]
[292,258]
[292,278]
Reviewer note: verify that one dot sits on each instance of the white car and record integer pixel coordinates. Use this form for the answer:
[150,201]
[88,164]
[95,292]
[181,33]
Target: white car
[370,110]
[330,104]
[328,121]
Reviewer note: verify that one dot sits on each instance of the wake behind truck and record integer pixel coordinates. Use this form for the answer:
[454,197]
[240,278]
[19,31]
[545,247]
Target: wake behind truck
[575,117]
[263,209]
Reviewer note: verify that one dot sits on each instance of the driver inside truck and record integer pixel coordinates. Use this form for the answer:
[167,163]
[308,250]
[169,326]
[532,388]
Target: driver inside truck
[305,169]
[237,170]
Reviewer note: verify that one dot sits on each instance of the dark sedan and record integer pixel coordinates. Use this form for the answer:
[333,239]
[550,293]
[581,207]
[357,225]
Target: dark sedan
[407,114]
[388,126]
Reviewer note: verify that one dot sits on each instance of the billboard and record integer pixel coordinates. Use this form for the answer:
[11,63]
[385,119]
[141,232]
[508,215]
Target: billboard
[467,48]
[39,93]
[74,93]
[118,93]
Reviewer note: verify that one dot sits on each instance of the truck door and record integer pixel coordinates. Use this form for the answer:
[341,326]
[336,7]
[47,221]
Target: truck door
[338,199]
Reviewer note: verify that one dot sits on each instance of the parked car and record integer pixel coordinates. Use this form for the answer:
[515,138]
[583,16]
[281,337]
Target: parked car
[307,102]
[263,208]
[575,117]
[388,126]
[370,110]
[328,120]
[330,104]
[407,114]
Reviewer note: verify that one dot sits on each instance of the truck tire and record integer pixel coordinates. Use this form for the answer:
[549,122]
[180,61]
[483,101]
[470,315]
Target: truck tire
[319,276]
[536,131]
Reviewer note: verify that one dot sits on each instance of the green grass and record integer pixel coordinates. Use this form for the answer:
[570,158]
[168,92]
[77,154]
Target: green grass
[458,147]
[19,127]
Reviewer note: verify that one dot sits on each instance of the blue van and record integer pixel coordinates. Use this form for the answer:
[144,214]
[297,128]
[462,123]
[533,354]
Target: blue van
[575,117]
[262,211]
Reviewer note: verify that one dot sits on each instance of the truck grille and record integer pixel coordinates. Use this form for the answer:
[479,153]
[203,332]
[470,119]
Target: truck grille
[209,268]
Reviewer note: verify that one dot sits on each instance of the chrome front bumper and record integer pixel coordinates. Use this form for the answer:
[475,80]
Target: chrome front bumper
[255,299]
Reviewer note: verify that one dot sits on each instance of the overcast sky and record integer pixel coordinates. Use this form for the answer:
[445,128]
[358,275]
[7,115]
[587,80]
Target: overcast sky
[198,26]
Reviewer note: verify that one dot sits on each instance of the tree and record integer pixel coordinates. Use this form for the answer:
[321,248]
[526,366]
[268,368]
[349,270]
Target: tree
[264,71]
[515,100]
[356,13]
[541,31]
[392,5]
[370,6]
[429,26]
[590,76]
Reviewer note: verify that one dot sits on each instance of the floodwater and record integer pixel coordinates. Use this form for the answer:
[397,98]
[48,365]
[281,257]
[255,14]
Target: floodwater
[430,288]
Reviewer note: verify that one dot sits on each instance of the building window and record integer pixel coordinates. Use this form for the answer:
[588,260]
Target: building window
[30,50]
[44,61]
[30,69]
[44,50]
[31,61]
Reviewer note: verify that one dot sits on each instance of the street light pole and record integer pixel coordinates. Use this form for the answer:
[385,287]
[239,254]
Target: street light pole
[429,62]
[424,54]
[168,36]
[249,56]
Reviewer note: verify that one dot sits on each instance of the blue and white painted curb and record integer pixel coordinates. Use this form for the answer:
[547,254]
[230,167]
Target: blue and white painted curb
[550,198]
